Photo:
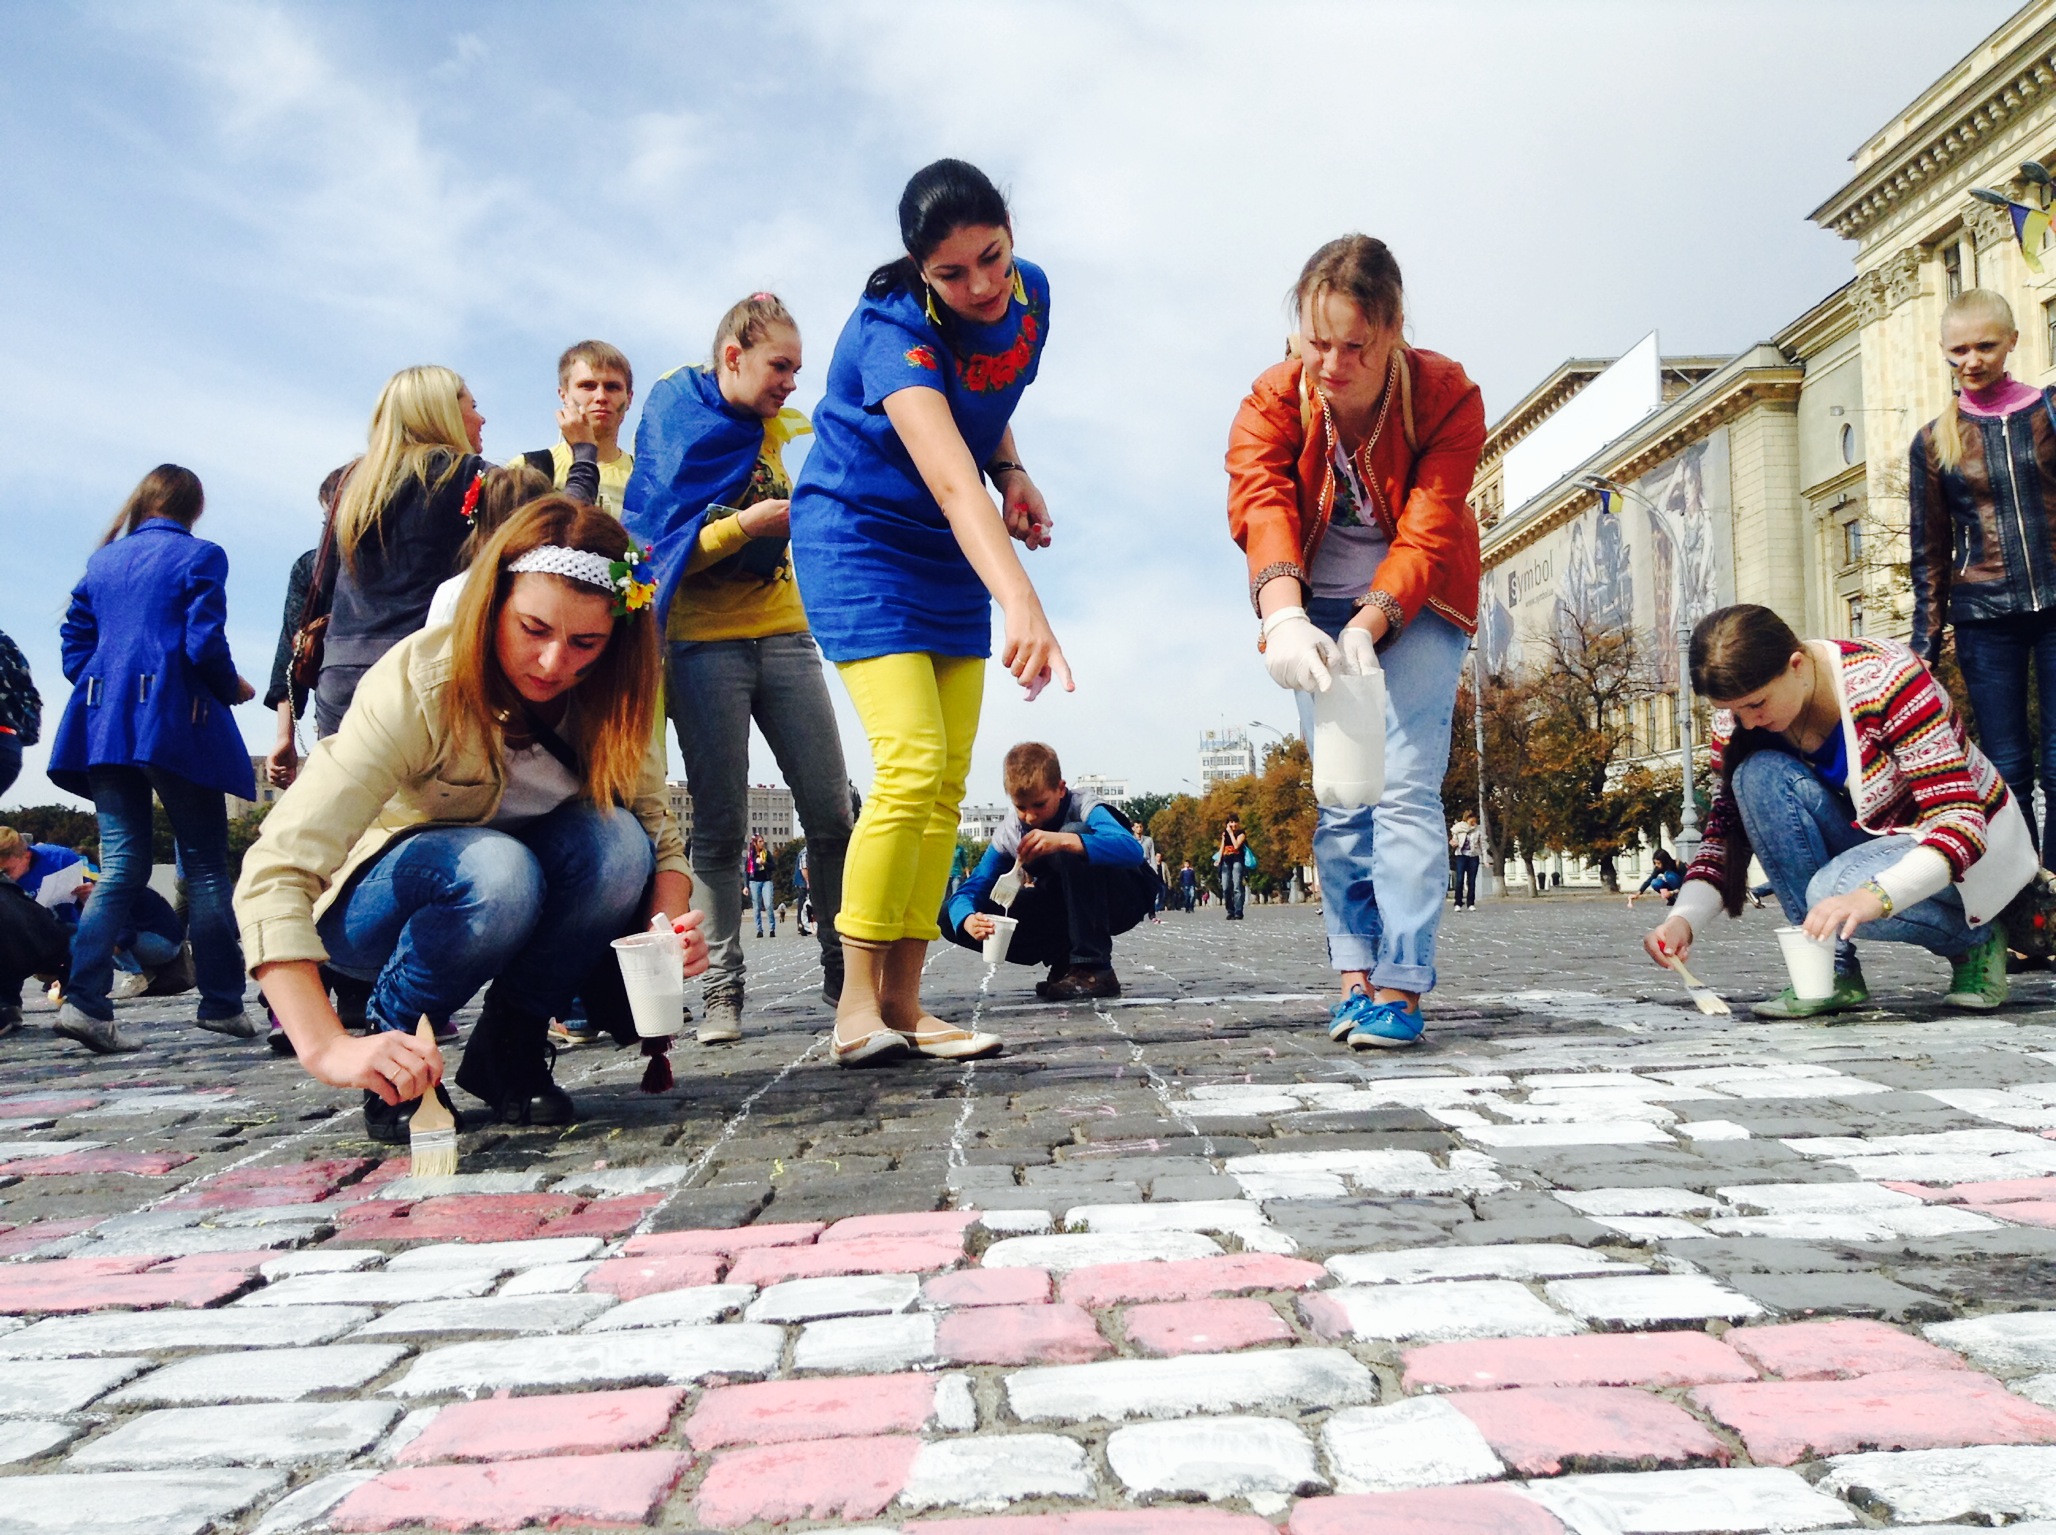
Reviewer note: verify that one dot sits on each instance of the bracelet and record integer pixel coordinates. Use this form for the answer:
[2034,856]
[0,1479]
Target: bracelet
[1000,466]
[1883,895]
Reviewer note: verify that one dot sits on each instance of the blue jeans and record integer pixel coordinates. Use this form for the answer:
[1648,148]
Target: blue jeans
[761,907]
[1385,868]
[1233,890]
[199,825]
[1809,845]
[1995,655]
[150,951]
[447,910]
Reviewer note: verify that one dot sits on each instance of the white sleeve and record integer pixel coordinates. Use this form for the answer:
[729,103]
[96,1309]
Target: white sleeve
[1698,902]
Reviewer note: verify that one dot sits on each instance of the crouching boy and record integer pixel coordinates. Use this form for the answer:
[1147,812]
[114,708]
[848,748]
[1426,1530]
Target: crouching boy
[1086,880]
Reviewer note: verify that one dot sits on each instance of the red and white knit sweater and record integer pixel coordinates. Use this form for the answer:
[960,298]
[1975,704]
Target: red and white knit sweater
[1919,775]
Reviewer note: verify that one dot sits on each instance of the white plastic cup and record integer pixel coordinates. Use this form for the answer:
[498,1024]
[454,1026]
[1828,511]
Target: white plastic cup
[1810,962]
[653,973]
[999,938]
[1349,741]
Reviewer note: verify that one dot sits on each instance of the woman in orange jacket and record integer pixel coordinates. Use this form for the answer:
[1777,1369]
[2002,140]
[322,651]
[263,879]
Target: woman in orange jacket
[1348,466]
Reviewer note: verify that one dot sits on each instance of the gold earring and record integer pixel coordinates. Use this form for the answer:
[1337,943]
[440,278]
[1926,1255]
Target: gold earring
[928,304]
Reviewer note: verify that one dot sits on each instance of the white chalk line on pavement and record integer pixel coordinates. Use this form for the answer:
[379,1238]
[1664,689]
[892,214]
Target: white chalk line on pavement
[968,1083]
[733,1123]
[1157,1084]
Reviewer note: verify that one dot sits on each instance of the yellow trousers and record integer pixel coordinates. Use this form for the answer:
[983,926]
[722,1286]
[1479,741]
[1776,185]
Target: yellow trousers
[921,713]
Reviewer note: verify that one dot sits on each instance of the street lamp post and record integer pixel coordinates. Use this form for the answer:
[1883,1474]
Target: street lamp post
[1688,808]
[1488,877]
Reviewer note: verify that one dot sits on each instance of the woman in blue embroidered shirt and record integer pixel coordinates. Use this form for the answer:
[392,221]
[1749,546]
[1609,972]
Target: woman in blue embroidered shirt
[900,550]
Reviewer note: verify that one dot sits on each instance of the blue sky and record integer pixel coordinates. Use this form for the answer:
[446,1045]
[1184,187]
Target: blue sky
[231,222]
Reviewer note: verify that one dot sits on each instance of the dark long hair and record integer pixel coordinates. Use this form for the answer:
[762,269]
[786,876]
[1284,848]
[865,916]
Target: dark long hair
[1736,650]
[939,200]
[166,491]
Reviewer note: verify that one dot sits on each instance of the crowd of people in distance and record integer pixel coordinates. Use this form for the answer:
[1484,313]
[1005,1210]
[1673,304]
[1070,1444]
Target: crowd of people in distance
[491,654]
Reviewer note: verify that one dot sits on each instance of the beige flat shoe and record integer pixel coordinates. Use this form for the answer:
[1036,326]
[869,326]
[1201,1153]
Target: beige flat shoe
[879,1045]
[947,1042]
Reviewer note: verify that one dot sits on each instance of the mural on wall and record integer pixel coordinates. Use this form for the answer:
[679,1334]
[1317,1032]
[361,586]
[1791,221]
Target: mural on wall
[1619,568]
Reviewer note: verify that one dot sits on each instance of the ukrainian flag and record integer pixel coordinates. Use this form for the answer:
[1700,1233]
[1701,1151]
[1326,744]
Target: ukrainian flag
[2030,226]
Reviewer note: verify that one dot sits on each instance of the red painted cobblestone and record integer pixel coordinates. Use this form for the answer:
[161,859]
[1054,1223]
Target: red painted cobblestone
[23,1291]
[1105,1521]
[1204,1326]
[524,1427]
[941,1225]
[1837,1350]
[789,1411]
[252,1188]
[1060,1334]
[1999,1191]
[217,1263]
[1538,1430]
[453,1218]
[988,1287]
[54,1272]
[1109,1284]
[45,1108]
[824,1479]
[628,1278]
[858,1255]
[723,1243]
[140,1164]
[1597,1359]
[1786,1421]
[603,1217]
[1431,1511]
[2028,1212]
[16,1240]
[627,1488]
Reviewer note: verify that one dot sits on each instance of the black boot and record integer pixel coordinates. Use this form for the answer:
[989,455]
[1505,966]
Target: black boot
[392,1124]
[508,1061]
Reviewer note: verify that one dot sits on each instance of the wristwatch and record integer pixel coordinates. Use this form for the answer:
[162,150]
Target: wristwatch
[1884,896]
[1000,466]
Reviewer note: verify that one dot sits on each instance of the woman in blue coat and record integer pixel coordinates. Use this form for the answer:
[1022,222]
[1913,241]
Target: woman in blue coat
[152,686]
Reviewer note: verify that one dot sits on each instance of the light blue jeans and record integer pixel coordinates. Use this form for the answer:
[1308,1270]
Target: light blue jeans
[760,905]
[1811,848]
[1385,869]
[449,909]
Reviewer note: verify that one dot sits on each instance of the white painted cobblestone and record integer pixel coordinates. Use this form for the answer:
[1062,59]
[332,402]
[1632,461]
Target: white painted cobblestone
[382,1288]
[189,1241]
[1646,1229]
[1009,1223]
[809,1300]
[51,1387]
[506,1257]
[143,1332]
[610,1182]
[131,1503]
[1990,1484]
[1218,1216]
[275,1434]
[1060,1254]
[1735,1501]
[1442,1311]
[956,1404]
[1659,1201]
[260,1375]
[2016,1343]
[526,1182]
[549,1279]
[24,1439]
[307,1509]
[1302,1379]
[1814,1198]
[1651,1300]
[650,1356]
[1261,1460]
[693,1306]
[1422,1442]
[492,1313]
[990,1471]
[1508,1261]
[1597,1132]
[325,1260]
[1855,1226]
[870,1345]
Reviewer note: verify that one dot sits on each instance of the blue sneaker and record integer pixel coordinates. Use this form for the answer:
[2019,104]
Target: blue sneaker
[1387,1026]
[1343,1016]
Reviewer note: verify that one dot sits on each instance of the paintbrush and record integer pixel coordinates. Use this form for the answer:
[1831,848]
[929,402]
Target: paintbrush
[1705,996]
[432,1134]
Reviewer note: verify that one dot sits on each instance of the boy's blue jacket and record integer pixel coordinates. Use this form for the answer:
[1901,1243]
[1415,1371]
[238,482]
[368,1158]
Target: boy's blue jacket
[1108,843]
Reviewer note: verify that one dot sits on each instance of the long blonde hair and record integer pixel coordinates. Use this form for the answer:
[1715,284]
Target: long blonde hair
[416,418]
[1975,304]
[614,706]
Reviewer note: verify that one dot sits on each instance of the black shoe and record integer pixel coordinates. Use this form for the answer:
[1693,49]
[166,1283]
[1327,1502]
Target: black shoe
[1056,973]
[1081,982]
[391,1124]
[831,978]
[10,1018]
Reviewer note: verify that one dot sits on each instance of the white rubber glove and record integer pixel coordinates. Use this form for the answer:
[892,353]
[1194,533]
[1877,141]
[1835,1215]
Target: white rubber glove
[1359,652]
[1296,654]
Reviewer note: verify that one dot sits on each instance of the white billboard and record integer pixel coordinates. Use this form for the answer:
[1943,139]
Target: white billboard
[1603,410]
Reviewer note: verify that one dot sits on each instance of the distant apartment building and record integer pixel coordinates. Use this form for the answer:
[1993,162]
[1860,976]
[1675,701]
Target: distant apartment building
[1112,789]
[267,792]
[978,823]
[1224,754]
[771,812]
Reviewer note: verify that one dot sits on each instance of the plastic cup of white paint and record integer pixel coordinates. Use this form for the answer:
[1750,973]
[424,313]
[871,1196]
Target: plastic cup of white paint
[999,938]
[1810,962]
[653,974]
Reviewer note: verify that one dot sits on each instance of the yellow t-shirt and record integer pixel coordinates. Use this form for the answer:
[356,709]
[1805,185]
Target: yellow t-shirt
[725,604]
[613,477]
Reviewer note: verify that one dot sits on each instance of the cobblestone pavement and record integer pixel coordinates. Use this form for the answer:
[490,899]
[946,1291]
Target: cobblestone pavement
[1587,1261]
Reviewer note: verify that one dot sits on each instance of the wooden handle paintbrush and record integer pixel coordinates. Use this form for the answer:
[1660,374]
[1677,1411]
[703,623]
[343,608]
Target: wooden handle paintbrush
[1706,997]
[432,1134]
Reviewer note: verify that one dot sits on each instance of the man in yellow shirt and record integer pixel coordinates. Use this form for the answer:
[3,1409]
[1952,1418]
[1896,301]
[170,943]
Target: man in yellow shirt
[595,379]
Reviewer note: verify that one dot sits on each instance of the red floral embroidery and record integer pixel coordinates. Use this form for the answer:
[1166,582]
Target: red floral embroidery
[989,372]
[470,507]
[924,357]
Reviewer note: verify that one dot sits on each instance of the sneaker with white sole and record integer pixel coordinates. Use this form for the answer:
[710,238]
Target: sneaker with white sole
[1387,1026]
[128,985]
[236,1025]
[1343,1016]
[722,1024]
[1977,979]
[101,1036]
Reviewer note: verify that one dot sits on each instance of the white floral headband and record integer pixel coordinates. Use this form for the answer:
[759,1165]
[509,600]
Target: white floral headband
[631,582]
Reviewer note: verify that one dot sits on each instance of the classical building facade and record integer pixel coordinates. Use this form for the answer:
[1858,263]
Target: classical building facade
[1779,475]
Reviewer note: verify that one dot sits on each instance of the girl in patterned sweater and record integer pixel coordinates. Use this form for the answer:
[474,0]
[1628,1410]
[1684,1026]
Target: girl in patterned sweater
[1843,766]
